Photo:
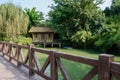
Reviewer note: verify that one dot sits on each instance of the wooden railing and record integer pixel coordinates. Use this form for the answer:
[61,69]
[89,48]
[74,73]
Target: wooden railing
[104,67]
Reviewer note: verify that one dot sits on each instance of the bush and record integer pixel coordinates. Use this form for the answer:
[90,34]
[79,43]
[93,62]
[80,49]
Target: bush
[20,40]
[23,40]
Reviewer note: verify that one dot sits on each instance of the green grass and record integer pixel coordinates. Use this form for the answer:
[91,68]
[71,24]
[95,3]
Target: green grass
[75,70]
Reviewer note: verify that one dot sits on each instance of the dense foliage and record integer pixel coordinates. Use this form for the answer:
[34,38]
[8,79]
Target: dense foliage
[109,40]
[69,18]
[83,23]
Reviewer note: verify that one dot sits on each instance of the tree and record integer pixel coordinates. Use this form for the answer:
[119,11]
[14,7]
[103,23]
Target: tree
[109,39]
[115,3]
[35,17]
[114,9]
[61,18]
[70,16]
[13,21]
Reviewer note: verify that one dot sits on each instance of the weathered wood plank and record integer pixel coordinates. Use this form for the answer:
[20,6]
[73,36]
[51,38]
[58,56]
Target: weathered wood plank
[36,61]
[30,60]
[45,65]
[53,67]
[115,69]
[42,75]
[91,74]
[48,52]
[62,69]
[84,60]
[104,66]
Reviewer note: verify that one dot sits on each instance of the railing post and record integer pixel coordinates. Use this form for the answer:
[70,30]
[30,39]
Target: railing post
[54,67]
[104,66]
[10,52]
[1,45]
[30,59]
[2,49]
[18,51]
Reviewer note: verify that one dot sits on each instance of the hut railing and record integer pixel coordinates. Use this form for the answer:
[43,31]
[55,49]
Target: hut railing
[105,66]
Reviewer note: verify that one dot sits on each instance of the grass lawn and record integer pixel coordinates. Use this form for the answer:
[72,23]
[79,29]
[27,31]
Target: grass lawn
[75,70]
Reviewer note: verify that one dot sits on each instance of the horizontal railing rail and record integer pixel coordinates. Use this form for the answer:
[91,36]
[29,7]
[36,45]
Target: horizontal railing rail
[105,66]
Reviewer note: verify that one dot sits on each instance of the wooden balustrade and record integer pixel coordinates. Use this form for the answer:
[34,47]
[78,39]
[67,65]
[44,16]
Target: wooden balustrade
[105,66]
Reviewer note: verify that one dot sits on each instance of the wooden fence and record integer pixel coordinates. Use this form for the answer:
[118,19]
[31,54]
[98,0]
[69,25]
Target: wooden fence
[104,67]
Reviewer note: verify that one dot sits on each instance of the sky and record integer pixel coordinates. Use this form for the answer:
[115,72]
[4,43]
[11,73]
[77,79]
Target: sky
[42,5]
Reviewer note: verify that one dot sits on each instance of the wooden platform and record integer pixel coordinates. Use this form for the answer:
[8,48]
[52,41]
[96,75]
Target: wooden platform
[52,44]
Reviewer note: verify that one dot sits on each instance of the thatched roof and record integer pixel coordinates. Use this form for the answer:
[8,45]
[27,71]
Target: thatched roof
[40,29]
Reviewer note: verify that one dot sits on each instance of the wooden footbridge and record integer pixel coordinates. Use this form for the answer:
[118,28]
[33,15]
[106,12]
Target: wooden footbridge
[104,67]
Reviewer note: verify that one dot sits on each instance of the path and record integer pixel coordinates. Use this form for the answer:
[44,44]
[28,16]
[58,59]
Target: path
[8,71]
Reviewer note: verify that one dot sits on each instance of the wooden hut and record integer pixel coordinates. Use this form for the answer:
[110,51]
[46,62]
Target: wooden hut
[42,34]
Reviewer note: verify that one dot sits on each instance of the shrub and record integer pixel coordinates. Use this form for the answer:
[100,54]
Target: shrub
[23,40]
[20,40]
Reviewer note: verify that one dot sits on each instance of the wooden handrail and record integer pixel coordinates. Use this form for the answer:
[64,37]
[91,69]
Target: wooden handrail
[105,66]
[80,59]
